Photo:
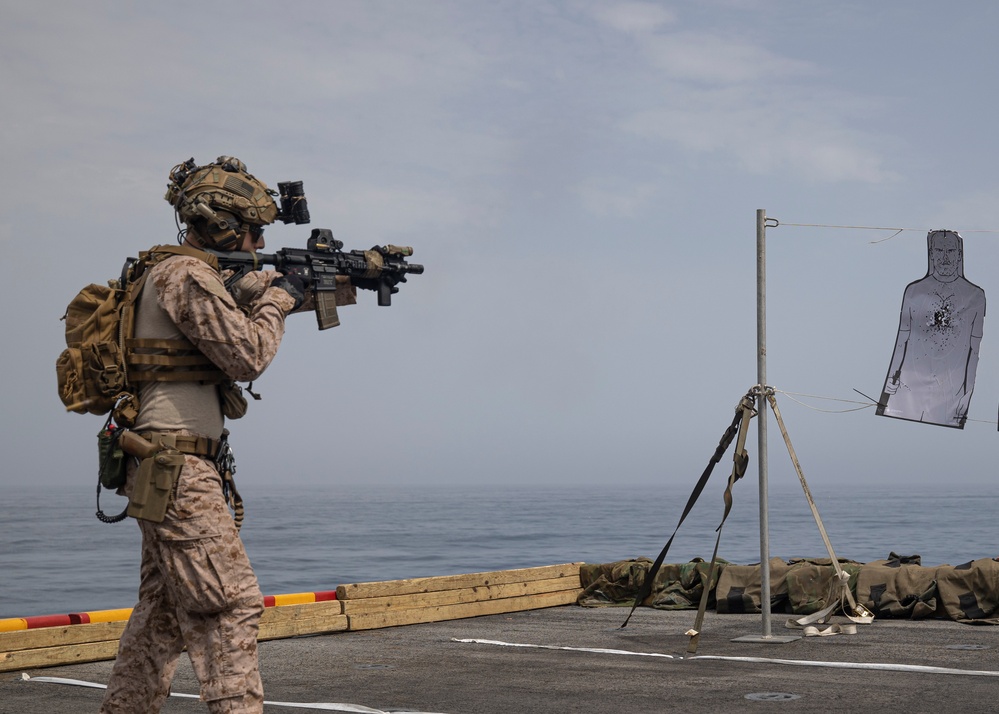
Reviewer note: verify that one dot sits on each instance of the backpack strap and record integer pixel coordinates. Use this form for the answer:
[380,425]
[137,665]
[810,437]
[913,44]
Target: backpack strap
[164,360]
[159,253]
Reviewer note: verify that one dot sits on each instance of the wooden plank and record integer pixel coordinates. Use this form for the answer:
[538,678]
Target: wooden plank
[303,626]
[375,605]
[454,582]
[281,613]
[66,635]
[305,619]
[413,616]
[455,597]
[52,656]
[104,631]
[307,611]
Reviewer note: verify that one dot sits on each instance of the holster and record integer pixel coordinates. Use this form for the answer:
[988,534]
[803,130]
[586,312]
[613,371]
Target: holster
[152,489]
[162,458]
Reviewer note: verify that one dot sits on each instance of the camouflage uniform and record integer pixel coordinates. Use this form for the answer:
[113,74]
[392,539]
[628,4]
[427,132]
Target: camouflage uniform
[197,587]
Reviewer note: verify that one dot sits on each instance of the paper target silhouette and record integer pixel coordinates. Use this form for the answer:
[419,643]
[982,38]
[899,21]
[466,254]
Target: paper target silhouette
[932,372]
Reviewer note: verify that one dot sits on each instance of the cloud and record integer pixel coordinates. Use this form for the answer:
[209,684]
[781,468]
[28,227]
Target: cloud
[615,198]
[410,208]
[766,132]
[719,59]
[720,91]
[973,210]
[634,17]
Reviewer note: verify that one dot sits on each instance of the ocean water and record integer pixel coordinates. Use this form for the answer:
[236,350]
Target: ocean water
[56,557]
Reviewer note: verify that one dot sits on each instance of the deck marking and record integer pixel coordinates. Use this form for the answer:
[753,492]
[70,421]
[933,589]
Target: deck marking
[337,707]
[597,650]
[880,666]
[921,669]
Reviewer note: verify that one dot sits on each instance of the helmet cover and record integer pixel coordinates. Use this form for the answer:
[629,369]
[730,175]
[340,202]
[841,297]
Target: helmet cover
[219,200]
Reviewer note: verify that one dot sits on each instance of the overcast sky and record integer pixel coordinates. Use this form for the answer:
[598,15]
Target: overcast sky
[580,180]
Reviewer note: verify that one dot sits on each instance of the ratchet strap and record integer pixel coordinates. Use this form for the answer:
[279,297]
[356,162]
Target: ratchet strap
[840,597]
[740,458]
[645,589]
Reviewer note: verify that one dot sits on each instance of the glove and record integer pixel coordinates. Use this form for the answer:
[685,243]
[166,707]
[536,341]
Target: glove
[294,285]
[248,289]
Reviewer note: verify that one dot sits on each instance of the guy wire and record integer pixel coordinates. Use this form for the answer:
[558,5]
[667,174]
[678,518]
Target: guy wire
[864,405]
[776,223]
[792,395]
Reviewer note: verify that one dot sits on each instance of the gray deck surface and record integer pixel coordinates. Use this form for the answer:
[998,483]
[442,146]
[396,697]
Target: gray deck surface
[420,668]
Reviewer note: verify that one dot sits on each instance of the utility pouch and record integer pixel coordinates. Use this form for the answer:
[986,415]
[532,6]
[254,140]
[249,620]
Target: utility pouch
[154,482]
[234,404]
[112,459]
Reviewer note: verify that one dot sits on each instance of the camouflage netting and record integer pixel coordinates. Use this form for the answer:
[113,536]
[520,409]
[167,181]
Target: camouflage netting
[897,587]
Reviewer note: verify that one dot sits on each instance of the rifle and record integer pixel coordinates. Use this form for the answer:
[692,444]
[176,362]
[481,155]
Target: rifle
[379,269]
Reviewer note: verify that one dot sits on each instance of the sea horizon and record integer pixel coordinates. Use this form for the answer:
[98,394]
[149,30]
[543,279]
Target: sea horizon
[57,558]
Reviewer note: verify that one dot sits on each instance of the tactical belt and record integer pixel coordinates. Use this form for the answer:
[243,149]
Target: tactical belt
[184,443]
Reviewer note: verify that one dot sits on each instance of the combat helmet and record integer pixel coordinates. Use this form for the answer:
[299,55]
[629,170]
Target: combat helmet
[219,201]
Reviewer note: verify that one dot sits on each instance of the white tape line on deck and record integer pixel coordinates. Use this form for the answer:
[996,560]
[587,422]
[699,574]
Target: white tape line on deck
[596,650]
[327,706]
[878,666]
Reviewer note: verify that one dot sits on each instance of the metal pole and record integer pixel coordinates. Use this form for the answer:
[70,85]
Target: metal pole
[761,430]
[761,418]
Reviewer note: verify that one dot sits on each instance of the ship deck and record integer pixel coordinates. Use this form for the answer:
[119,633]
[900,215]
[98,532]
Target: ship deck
[576,659]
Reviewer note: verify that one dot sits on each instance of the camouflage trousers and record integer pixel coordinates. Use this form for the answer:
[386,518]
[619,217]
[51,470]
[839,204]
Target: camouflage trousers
[197,590]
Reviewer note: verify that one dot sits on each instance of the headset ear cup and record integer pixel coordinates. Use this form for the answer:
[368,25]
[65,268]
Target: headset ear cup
[221,228]
[227,238]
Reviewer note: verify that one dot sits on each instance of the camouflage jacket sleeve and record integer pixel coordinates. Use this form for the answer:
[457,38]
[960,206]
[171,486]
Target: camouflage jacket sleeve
[194,297]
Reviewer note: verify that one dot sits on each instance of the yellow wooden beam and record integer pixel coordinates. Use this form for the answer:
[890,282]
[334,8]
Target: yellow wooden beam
[459,596]
[412,586]
[53,656]
[413,616]
[64,635]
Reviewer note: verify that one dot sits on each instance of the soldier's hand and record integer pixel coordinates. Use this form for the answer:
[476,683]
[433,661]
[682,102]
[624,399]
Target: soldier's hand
[248,289]
[294,285]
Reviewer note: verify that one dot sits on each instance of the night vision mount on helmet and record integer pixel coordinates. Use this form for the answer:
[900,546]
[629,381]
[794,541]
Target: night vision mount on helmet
[219,201]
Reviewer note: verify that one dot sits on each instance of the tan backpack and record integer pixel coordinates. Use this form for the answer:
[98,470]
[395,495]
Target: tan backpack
[93,371]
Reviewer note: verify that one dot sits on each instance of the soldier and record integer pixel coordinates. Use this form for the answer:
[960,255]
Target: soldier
[197,588]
